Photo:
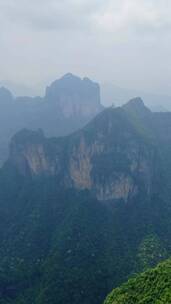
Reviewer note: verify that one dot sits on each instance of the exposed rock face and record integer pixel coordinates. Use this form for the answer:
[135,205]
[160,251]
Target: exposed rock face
[107,158]
[74,96]
[115,185]
[34,160]
[121,188]
[81,166]
[30,156]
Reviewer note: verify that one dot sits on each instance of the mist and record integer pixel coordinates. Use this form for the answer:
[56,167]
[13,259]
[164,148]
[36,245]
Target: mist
[126,43]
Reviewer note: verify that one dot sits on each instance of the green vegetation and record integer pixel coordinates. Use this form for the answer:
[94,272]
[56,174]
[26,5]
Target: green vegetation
[150,251]
[60,244]
[150,287]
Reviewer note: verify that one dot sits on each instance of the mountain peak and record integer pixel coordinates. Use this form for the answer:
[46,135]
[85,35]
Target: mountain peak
[71,81]
[70,76]
[136,105]
[75,96]
[136,101]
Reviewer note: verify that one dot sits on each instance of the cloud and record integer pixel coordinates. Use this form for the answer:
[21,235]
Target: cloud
[127,41]
[133,15]
[105,15]
[49,15]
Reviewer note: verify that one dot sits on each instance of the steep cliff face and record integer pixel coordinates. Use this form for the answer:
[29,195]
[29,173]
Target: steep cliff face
[75,97]
[108,158]
[112,170]
[29,154]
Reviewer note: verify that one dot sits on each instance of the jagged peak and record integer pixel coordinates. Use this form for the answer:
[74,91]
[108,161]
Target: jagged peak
[73,77]
[81,91]
[70,76]
[136,104]
[70,80]
[136,100]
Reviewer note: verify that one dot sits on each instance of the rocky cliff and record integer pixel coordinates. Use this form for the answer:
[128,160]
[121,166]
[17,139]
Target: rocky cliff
[74,96]
[108,157]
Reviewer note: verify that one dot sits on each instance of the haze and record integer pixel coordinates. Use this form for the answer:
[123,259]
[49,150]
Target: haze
[125,42]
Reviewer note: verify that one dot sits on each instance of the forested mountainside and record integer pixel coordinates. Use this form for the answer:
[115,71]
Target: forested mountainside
[69,103]
[80,214]
[152,286]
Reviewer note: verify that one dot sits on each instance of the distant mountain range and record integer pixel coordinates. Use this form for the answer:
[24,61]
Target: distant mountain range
[69,103]
[110,94]
[82,213]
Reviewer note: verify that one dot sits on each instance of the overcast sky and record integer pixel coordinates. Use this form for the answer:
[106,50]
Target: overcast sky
[126,42]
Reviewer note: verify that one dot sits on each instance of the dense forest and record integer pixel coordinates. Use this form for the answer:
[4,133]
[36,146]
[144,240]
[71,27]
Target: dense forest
[152,286]
[81,214]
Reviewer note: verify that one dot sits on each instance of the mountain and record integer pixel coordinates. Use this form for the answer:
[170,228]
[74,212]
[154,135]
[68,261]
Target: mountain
[112,94]
[69,103]
[86,160]
[19,89]
[80,214]
[153,286]
[81,98]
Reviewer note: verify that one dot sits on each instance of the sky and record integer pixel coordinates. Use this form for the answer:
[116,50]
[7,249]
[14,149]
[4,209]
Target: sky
[125,42]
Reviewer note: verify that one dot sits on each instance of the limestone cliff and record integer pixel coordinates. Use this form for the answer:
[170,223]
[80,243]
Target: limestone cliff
[75,97]
[28,153]
[108,157]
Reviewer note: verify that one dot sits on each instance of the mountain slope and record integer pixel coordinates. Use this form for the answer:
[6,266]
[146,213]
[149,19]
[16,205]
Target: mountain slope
[108,157]
[153,286]
[80,214]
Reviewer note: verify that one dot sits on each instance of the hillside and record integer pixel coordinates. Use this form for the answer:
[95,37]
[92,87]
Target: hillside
[152,286]
[80,214]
